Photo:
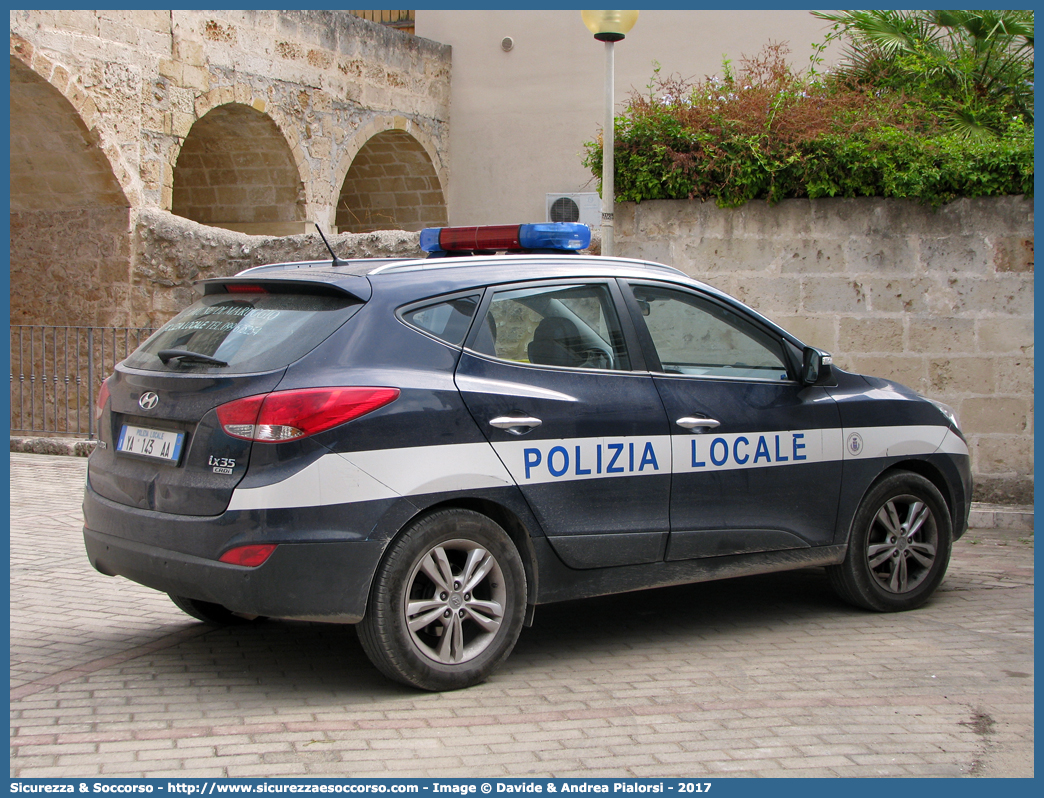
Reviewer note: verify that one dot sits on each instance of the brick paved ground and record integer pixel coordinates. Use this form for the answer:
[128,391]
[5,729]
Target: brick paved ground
[762,676]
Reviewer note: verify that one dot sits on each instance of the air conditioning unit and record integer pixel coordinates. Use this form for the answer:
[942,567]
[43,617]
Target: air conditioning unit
[585,208]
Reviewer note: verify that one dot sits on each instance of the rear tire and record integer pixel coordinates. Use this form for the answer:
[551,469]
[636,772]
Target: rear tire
[899,546]
[210,613]
[447,602]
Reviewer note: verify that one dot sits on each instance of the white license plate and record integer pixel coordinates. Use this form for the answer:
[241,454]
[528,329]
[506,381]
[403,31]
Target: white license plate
[158,443]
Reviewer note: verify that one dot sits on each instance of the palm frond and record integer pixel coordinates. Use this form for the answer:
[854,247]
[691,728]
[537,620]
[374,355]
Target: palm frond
[965,123]
[946,56]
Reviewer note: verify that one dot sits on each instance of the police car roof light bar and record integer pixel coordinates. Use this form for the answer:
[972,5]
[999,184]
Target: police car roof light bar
[557,236]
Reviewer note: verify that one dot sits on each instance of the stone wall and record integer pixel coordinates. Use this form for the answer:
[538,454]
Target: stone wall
[136,269]
[328,80]
[168,253]
[941,301]
[70,267]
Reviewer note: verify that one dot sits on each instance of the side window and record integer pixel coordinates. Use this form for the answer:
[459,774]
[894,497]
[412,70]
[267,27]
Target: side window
[448,320]
[574,326]
[700,337]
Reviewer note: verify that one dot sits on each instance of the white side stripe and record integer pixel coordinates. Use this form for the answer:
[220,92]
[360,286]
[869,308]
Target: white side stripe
[569,459]
[380,474]
[708,452]
[434,469]
[952,444]
[306,487]
[410,471]
[862,443]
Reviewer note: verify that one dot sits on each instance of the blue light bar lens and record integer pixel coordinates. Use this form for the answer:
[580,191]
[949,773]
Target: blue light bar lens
[429,239]
[554,235]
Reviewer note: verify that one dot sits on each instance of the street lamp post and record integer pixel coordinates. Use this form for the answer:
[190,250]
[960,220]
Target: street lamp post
[609,27]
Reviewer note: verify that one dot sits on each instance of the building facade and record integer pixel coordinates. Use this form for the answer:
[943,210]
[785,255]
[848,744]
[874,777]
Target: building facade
[528,91]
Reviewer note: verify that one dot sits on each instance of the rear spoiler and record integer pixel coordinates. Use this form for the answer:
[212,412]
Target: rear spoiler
[290,282]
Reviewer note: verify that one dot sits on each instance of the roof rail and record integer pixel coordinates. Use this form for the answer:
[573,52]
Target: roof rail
[318,264]
[424,264]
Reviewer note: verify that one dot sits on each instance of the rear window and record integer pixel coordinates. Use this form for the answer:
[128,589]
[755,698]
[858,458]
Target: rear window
[245,332]
[448,319]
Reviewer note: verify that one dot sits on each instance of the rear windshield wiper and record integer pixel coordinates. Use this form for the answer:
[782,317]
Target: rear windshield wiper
[183,355]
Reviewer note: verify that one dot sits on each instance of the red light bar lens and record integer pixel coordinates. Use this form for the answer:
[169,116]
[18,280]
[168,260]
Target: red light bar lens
[249,556]
[496,236]
[289,415]
[556,236]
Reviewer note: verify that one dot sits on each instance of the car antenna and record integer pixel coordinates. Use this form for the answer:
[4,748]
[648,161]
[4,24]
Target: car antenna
[334,254]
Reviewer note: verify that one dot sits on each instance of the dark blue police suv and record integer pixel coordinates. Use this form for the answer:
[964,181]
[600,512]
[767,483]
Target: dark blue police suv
[431,448]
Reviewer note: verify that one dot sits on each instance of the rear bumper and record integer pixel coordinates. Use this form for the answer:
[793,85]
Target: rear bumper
[307,581]
[317,571]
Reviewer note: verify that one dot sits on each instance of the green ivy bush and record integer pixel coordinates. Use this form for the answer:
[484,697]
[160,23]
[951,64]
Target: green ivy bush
[769,132]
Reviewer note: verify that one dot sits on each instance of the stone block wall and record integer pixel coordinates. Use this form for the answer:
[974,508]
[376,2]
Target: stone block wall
[391,186]
[72,267]
[168,253]
[941,301]
[327,79]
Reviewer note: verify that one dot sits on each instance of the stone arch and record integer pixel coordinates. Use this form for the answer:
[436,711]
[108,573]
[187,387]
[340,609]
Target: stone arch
[70,207]
[57,157]
[236,170]
[68,86]
[393,180]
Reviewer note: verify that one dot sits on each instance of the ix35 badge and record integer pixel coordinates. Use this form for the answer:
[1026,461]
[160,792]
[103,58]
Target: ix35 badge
[221,465]
[148,400]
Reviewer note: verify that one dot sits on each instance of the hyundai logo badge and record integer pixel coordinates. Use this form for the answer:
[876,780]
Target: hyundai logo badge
[148,400]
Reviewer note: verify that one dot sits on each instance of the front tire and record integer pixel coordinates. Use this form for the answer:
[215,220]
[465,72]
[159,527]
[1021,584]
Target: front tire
[447,602]
[899,546]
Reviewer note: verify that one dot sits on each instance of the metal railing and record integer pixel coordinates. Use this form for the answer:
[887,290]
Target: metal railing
[56,373]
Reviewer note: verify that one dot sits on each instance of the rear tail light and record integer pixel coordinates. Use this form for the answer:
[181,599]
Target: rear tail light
[289,415]
[103,397]
[250,556]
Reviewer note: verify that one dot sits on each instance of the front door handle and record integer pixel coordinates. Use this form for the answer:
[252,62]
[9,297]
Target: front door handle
[516,425]
[690,422]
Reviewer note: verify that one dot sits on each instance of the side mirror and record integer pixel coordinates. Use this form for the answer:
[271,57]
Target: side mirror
[815,367]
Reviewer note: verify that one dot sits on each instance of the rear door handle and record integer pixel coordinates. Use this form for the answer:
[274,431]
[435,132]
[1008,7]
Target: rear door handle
[690,422]
[516,425]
